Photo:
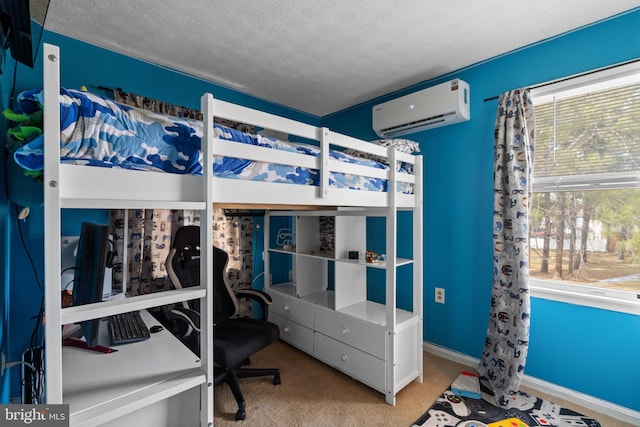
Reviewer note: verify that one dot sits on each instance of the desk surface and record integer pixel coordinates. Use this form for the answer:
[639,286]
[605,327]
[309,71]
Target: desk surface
[105,386]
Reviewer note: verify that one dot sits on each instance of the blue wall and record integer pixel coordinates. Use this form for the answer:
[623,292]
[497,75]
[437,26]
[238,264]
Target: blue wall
[588,350]
[8,70]
[458,205]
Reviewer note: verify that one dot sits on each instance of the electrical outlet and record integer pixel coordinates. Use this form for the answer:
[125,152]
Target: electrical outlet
[439,297]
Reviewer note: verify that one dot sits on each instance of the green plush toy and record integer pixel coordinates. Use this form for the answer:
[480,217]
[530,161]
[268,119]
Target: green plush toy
[24,187]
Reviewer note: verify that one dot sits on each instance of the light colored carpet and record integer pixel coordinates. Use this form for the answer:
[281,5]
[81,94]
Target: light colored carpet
[314,394]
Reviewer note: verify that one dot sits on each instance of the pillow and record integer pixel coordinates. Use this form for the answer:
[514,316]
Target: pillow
[403,145]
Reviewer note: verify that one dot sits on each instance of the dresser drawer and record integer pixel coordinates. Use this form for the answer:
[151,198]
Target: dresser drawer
[355,363]
[292,308]
[293,333]
[366,336]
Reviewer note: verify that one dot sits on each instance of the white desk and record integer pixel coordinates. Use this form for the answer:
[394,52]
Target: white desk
[133,383]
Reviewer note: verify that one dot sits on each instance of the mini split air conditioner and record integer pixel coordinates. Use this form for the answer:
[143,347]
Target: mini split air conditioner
[440,105]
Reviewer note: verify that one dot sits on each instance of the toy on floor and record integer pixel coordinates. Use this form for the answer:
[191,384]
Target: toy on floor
[467,384]
[511,422]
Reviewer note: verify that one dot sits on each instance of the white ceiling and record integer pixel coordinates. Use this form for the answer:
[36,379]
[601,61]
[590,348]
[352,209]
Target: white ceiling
[319,56]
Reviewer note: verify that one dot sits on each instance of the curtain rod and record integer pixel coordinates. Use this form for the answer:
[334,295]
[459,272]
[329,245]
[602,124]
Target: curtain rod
[564,79]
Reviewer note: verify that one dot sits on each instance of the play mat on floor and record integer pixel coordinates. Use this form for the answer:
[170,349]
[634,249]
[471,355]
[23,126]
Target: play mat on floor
[524,410]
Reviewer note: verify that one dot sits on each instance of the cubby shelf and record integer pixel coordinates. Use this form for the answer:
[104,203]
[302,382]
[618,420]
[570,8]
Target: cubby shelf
[324,308]
[331,256]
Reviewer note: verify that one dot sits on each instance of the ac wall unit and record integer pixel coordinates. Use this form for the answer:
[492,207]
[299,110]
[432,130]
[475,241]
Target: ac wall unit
[439,105]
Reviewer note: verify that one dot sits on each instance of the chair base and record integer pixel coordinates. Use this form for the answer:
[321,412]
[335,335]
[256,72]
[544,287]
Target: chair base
[230,376]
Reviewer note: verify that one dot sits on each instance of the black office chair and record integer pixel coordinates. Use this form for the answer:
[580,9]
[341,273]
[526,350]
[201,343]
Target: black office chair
[235,339]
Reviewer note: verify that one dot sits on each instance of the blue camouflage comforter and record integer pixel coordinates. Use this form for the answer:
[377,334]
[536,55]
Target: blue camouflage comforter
[98,131]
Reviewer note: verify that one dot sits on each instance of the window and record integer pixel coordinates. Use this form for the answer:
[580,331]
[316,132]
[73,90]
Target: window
[585,209]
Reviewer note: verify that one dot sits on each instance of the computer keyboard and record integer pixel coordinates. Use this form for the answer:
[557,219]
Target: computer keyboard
[127,328]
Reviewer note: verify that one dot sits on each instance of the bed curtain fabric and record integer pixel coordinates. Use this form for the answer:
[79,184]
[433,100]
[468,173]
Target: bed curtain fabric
[149,236]
[154,105]
[151,231]
[505,350]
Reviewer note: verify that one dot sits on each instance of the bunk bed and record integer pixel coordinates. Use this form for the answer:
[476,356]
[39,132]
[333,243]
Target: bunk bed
[79,184]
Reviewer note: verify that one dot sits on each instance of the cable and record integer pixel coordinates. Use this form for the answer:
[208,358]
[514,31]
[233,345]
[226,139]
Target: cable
[26,250]
[36,375]
[13,84]
[8,365]
[34,335]
[44,19]
[257,277]
[34,342]
[67,269]
[32,379]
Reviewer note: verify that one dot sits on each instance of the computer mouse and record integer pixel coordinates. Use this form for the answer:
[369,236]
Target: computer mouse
[155,328]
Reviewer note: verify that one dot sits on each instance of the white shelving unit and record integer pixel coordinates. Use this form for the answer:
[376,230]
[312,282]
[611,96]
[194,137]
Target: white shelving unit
[119,388]
[325,312]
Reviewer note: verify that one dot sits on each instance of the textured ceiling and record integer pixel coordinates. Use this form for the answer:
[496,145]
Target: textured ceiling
[319,56]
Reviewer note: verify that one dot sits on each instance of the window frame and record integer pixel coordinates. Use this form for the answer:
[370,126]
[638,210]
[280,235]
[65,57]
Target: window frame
[585,295]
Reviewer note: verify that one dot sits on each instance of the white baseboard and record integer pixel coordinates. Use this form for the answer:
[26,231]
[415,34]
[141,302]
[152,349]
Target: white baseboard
[604,407]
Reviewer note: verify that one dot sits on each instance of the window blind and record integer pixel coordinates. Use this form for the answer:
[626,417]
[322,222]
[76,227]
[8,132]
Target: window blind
[588,141]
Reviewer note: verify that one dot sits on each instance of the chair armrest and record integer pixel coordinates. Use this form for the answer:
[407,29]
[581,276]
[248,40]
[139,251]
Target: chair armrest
[186,316]
[184,324]
[259,296]
[263,298]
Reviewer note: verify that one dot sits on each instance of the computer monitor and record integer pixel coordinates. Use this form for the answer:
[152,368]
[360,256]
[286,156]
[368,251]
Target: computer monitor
[91,262]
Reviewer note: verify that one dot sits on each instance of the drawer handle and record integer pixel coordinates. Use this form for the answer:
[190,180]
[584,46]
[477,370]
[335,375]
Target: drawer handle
[344,331]
[344,357]
[286,308]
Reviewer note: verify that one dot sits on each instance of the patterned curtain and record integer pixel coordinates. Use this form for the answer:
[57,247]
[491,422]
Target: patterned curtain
[151,231]
[506,344]
[154,105]
[234,235]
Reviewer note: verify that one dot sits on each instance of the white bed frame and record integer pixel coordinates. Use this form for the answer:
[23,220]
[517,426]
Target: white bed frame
[81,187]
[115,184]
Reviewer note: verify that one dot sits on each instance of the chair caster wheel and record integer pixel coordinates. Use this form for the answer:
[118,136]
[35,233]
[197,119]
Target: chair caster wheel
[276,380]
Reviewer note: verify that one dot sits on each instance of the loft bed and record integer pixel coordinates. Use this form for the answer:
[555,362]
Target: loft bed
[83,183]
